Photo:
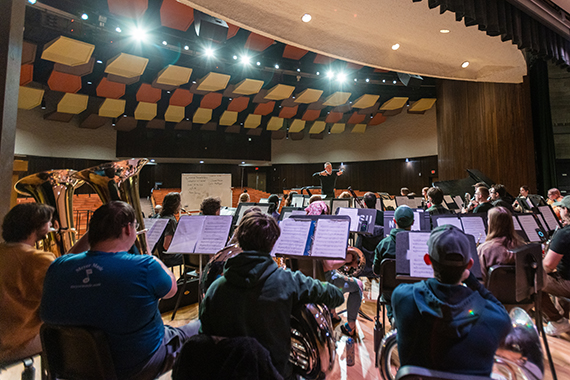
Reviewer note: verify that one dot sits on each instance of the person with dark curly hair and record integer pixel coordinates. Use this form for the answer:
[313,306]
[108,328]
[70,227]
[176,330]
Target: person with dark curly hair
[171,206]
[211,206]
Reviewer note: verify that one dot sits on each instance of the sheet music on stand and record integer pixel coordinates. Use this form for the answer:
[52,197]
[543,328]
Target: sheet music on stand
[471,224]
[362,220]
[458,201]
[550,217]
[403,200]
[529,226]
[319,237]
[155,228]
[201,234]
[389,203]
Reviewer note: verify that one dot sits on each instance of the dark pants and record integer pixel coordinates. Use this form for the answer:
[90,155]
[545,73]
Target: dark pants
[556,286]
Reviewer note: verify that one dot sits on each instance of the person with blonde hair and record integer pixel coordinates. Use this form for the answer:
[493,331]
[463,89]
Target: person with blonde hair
[501,239]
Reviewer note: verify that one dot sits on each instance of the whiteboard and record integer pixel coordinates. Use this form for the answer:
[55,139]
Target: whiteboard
[196,187]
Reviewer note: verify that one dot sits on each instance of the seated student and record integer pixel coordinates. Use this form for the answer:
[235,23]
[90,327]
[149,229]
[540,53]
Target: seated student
[22,272]
[367,243]
[482,199]
[315,198]
[556,263]
[117,292]
[255,297]
[435,197]
[386,249]
[244,198]
[498,195]
[289,198]
[523,194]
[211,206]
[274,208]
[554,196]
[500,240]
[171,206]
[443,325]
[345,194]
[404,191]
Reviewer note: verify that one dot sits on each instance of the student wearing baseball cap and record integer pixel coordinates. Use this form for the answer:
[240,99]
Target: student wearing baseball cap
[442,324]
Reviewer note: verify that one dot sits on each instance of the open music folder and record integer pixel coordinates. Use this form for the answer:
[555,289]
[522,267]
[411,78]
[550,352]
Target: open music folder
[201,234]
[322,237]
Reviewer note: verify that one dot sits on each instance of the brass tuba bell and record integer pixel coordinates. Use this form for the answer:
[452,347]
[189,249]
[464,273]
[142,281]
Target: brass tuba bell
[54,188]
[119,181]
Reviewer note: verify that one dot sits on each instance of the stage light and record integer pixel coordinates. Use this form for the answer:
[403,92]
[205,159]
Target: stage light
[118,30]
[465,64]
[201,162]
[164,43]
[152,160]
[407,160]
[139,34]
[32,1]
[234,57]
[243,162]
[186,47]
[209,52]
[341,77]
[258,63]
[244,59]
[383,80]
[84,16]
[356,80]
[298,70]
[99,61]
[306,17]
[395,46]
[89,82]
[276,66]
[367,80]
[330,74]
[318,73]
[394,82]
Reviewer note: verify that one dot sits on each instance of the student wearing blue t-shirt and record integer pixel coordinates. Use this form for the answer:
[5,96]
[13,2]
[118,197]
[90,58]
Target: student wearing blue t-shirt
[118,293]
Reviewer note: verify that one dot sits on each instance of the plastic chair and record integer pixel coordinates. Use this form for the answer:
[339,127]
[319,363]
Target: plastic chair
[410,372]
[501,281]
[76,353]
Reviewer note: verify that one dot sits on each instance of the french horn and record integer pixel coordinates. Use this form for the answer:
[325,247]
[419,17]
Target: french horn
[54,188]
[119,181]
[313,347]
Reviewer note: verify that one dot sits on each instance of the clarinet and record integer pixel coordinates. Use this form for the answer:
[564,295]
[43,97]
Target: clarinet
[357,200]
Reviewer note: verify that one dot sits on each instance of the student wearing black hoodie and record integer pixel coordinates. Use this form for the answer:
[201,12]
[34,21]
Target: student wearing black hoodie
[443,325]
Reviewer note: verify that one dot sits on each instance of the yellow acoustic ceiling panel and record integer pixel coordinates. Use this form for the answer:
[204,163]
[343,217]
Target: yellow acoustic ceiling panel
[202,116]
[112,108]
[359,128]
[318,127]
[213,82]
[29,98]
[252,121]
[228,118]
[422,105]
[337,99]
[173,75]
[394,104]
[72,103]
[68,51]
[248,87]
[145,111]
[337,128]
[365,101]
[126,65]
[174,114]
[280,92]
[308,96]
[297,126]
[275,123]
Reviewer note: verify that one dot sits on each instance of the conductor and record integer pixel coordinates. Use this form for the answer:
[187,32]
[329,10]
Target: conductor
[328,179]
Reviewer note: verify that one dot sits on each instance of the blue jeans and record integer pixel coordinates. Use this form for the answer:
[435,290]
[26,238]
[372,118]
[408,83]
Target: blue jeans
[347,285]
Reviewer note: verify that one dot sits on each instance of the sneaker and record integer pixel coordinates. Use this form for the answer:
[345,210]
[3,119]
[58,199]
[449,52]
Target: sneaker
[346,330]
[556,328]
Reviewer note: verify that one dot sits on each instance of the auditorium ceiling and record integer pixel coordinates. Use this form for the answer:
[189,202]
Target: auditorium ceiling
[142,65]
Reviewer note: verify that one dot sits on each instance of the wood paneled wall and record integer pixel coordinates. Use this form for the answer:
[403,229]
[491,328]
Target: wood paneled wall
[486,126]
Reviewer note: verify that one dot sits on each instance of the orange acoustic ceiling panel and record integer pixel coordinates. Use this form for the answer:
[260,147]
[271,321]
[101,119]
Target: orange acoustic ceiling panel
[356,118]
[173,75]
[126,65]
[112,108]
[275,123]
[288,112]
[359,128]
[264,108]
[318,127]
[333,117]
[293,52]
[212,100]
[29,98]
[181,98]
[26,74]
[148,94]
[238,104]
[128,8]
[311,115]
[72,103]
[176,15]
[323,59]
[68,51]
[28,53]
[108,89]
[145,111]
[64,82]
[257,42]
[232,30]
[377,119]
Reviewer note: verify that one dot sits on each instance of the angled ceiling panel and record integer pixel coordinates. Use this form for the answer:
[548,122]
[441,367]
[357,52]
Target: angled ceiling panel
[181,98]
[174,114]
[29,98]
[145,111]
[112,108]
[338,128]
[252,121]
[248,87]
[68,51]
[365,101]
[280,92]
[337,99]
[358,128]
[309,95]
[228,118]
[275,123]
[202,116]
[317,127]
[126,65]
[108,89]
[173,75]
[176,15]
[213,82]
[296,126]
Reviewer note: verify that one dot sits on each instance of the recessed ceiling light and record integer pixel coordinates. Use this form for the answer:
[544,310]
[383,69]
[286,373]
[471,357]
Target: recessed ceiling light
[330,74]
[465,64]
[201,162]
[164,43]
[258,63]
[356,80]
[395,46]
[234,57]
[444,31]
[318,73]
[243,162]
[99,61]
[244,59]
[152,160]
[298,70]
[84,16]
[32,1]
[306,17]
[276,66]
[394,82]
[118,30]
[367,80]
[186,47]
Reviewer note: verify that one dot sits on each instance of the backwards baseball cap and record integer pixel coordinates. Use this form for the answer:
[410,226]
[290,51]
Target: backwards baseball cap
[404,216]
[565,202]
[449,246]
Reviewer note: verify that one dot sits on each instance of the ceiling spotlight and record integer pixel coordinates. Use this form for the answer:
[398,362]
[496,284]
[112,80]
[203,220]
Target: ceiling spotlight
[249,139]
[164,43]
[383,80]
[152,160]
[99,61]
[395,46]
[139,34]
[444,31]
[276,66]
[258,63]
[84,16]
[394,82]
[234,57]
[356,80]
[318,73]
[407,160]
[367,80]
[244,59]
[186,47]
[243,162]
[330,74]
[89,82]
[32,1]
[209,52]
[465,64]
[118,30]
[43,104]
[201,162]
[341,77]
[306,17]
[298,70]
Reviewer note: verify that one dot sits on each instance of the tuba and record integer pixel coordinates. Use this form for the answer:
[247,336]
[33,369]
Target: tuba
[54,188]
[313,347]
[118,181]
